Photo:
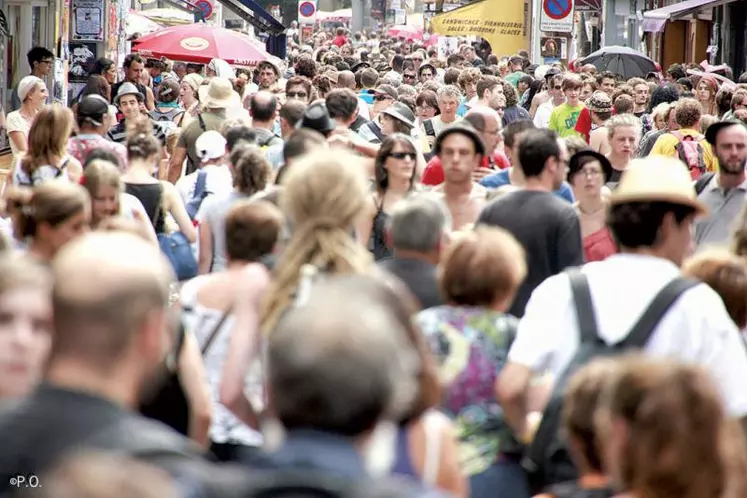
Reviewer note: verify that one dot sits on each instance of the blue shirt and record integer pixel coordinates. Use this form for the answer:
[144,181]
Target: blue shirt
[501,178]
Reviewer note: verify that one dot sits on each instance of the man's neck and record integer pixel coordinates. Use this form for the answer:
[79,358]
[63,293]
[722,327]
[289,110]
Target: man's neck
[431,258]
[72,375]
[727,180]
[639,108]
[450,120]
[537,184]
[452,189]
[266,125]
[573,103]
[38,74]
[558,101]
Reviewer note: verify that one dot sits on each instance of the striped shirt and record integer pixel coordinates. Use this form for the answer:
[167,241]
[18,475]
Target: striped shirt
[118,132]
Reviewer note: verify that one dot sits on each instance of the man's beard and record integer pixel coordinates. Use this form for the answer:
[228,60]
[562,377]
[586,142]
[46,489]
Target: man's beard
[731,169]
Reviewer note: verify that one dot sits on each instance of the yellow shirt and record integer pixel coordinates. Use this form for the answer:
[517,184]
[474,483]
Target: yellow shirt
[665,146]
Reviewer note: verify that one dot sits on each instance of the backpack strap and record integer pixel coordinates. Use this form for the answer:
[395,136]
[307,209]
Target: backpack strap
[703,181]
[200,182]
[428,127]
[644,327]
[587,322]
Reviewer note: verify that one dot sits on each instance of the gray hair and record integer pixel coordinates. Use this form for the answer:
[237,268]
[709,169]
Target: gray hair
[449,91]
[418,223]
[341,369]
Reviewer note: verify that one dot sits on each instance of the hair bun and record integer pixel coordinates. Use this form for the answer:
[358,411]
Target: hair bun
[140,126]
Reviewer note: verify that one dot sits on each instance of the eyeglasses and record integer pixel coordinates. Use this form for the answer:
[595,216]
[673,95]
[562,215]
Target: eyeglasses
[403,155]
[46,61]
[591,173]
[382,98]
[292,95]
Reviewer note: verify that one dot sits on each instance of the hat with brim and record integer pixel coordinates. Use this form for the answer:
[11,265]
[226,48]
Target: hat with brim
[360,65]
[657,179]
[316,117]
[401,112]
[463,128]
[219,94]
[712,131]
[128,88]
[384,89]
[577,163]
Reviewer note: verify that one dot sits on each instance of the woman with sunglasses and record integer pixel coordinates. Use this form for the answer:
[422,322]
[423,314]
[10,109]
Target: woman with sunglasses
[394,179]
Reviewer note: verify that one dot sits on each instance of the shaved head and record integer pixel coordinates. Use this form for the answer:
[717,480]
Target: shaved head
[106,286]
[346,79]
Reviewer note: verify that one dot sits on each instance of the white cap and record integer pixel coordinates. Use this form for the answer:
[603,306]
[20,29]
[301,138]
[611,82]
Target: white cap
[210,145]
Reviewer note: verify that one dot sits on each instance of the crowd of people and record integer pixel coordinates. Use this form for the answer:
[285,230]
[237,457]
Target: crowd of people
[375,270]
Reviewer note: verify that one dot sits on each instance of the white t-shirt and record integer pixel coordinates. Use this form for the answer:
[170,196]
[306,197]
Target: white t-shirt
[218,181]
[15,122]
[542,116]
[697,329]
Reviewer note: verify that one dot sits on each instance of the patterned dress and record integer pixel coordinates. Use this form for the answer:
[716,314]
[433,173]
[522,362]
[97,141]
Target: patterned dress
[471,347]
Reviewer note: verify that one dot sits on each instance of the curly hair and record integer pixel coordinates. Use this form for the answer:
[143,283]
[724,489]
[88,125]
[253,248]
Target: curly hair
[512,96]
[251,171]
[324,194]
[306,67]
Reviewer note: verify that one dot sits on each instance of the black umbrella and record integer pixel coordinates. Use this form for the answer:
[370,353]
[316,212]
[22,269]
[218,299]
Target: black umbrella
[624,61]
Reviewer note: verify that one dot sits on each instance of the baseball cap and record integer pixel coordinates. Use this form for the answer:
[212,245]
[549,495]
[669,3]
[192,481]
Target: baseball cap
[92,109]
[210,145]
[384,90]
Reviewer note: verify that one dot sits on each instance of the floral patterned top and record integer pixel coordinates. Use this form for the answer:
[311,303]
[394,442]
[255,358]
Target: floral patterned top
[471,346]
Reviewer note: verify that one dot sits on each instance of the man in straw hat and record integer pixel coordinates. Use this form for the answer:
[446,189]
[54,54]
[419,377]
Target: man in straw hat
[651,214]
[216,98]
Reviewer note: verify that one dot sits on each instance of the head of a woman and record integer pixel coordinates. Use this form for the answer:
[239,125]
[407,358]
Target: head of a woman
[426,105]
[25,324]
[660,115]
[51,214]
[48,136]
[106,68]
[623,133]
[395,160]
[660,424]
[142,145]
[707,89]
[103,182]
[32,92]
[97,85]
[324,195]
[484,268]
[587,181]
[251,171]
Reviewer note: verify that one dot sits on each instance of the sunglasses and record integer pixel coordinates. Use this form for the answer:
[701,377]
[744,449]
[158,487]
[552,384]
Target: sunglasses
[408,76]
[382,98]
[402,155]
[291,95]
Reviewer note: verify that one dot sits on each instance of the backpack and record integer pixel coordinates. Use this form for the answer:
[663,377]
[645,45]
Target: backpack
[199,194]
[690,151]
[547,460]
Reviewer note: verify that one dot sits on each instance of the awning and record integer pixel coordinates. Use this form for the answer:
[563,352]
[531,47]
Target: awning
[654,20]
[253,13]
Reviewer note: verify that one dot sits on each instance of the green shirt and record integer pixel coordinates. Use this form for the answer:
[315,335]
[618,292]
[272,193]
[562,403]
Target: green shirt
[563,120]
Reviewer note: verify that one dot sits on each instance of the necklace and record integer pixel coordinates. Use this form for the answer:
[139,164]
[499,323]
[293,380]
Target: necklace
[590,213]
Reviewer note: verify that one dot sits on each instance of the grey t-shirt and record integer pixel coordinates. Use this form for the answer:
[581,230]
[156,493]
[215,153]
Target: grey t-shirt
[213,211]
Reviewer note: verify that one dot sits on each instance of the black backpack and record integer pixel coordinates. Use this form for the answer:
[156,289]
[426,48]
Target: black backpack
[547,461]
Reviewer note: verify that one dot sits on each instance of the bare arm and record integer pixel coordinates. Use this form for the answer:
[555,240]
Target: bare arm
[450,477]
[175,206]
[511,391]
[150,100]
[365,225]
[175,163]
[18,139]
[206,248]
[192,376]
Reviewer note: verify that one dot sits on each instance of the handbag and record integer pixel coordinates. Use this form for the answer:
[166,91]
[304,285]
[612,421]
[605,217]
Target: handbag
[168,402]
[176,247]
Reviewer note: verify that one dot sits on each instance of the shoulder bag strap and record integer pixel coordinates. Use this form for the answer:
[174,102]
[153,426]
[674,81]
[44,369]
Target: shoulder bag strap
[159,206]
[433,443]
[216,329]
[200,185]
[659,307]
[202,122]
[587,322]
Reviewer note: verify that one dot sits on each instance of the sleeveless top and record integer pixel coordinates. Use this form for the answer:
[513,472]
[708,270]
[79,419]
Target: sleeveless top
[41,174]
[599,245]
[377,244]
[150,196]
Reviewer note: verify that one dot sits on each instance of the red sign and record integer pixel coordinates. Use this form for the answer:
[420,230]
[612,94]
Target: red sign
[557,9]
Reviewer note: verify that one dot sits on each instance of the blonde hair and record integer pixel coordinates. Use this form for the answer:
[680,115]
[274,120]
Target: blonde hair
[98,173]
[52,203]
[621,120]
[324,194]
[48,137]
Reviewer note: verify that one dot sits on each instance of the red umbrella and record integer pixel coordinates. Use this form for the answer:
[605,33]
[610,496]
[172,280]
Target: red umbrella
[199,43]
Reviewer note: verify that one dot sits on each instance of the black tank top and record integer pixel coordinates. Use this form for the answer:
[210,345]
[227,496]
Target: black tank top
[149,195]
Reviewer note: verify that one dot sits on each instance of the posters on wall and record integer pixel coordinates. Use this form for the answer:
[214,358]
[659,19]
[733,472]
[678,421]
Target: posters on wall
[82,57]
[59,93]
[88,20]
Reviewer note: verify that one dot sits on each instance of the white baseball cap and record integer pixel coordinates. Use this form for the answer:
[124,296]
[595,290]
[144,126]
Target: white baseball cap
[210,145]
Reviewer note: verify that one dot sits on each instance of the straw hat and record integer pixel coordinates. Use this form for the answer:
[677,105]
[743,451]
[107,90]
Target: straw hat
[657,178]
[219,94]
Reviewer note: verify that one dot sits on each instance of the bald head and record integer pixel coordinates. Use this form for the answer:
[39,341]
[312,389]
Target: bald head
[346,79]
[340,369]
[106,286]
[263,106]
[488,124]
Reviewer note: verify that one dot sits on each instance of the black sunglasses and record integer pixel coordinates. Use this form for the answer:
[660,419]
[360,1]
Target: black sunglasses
[408,76]
[402,155]
[291,95]
[382,98]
